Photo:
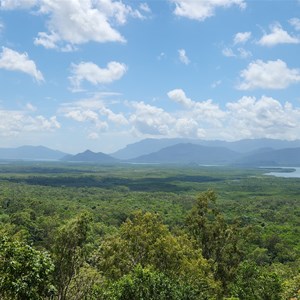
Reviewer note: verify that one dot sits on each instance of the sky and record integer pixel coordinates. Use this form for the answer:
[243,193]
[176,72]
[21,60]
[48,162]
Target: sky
[101,74]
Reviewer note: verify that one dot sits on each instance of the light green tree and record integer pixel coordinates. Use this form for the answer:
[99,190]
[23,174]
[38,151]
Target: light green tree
[221,243]
[146,242]
[25,273]
[69,252]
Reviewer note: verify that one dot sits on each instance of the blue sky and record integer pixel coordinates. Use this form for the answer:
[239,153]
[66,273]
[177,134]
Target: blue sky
[100,74]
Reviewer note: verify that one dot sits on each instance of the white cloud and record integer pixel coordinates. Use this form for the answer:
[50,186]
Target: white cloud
[14,123]
[235,51]
[151,120]
[243,53]
[1,26]
[145,7]
[15,61]
[248,117]
[17,4]
[295,22]
[203,111]
[94,113]
[241,37]
[178,95]
[238,53]
[228,52]
[74,22]
[183,57]
[200,10]
[268,75]
[216,83]
[277,36]
[94,74]
[265,117]
[30,107]
[93,136]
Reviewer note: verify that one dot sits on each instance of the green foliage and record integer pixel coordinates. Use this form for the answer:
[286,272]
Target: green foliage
[219,241]
[85,284]
[69,252]
[254,283]
[146,283]
[25,273]
[146,241]
[196,246]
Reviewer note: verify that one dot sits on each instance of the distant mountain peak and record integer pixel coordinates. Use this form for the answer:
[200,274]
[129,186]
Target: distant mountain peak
[90,156]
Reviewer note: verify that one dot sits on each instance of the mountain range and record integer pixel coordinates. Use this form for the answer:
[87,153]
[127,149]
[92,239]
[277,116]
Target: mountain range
[251,152]
[30,153]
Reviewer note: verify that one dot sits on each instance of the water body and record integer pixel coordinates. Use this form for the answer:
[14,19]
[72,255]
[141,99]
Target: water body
[286,173]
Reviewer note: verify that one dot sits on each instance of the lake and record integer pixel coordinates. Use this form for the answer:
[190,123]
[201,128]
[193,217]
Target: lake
[295,173]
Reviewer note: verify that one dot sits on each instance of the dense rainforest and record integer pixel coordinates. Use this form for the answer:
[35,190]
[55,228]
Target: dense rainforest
[72,231]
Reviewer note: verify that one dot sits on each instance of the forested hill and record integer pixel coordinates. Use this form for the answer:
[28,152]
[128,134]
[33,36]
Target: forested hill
[190,153]
[281,157]
[90,156]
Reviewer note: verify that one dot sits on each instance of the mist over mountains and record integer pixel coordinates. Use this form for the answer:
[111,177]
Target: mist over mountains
[251,152]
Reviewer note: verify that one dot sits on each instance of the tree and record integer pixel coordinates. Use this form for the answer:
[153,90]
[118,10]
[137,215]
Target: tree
[146,242]
[145,283]
[220,242]
[69,252]
[25,273]
[254,283]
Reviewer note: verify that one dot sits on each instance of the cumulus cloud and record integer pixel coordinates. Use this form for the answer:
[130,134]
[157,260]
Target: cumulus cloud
[178,95]
[248,117]
[265,117]
[241,37]
[94,113]
[94,74]
[183,57]
[14,61]
[268,75]
[14,123]
[204,111]
[150,120]
[74,22]
[201,10]
[277,36]
[295,22]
